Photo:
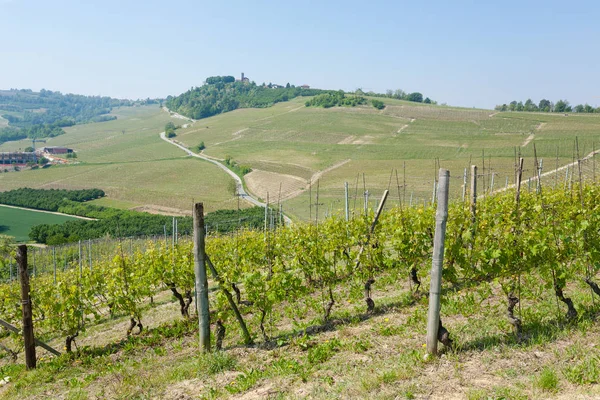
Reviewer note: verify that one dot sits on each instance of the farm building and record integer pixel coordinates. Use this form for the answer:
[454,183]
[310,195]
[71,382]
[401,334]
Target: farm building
[305,87]
[57,150]
[17,157]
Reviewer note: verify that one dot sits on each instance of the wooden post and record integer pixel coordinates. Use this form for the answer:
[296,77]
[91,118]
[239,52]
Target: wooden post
[519,177]
[201,284]
[28,338]
[433,319]
[80,262]
[464,188]
[54,261]
[346,199]
[372,228]
[473,193]
[38,342]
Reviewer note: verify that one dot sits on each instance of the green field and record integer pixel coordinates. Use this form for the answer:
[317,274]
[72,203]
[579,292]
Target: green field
[17,223]
[128,160]
[289,146]
[289,143]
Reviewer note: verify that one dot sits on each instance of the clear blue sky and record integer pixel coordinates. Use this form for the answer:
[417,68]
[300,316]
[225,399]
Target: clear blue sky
[469,53]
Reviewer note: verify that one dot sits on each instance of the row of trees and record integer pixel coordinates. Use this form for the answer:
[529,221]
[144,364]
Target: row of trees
[47,199]
[112,221]
[400,94]
[545,105]
[126,223]
[220,95]
[332,99]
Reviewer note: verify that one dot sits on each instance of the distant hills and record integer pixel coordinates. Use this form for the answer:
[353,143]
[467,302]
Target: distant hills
[44,113]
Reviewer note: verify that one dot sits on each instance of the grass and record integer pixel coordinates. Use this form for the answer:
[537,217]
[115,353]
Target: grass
[17,223]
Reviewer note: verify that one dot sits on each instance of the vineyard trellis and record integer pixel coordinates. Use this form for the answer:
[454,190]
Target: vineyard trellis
[550,232]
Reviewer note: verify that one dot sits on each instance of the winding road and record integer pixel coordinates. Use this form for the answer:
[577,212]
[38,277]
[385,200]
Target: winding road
[240,186]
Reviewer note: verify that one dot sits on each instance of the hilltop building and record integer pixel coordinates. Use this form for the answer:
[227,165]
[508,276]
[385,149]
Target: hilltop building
[305,87]
[243,79]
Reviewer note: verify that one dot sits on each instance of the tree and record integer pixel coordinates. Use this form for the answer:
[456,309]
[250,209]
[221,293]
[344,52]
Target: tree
[512,106]
[378,104]
[29,149]
[579,108]
[530,105]
[170,129]
[520,106]
[416,97]
[562,106]
[427,100]
[287,86]
[588,109]
[400,94]
[545,105]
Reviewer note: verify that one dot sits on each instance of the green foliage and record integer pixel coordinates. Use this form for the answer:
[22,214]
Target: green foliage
[223,94]
[547,380]
[112,221]
[561,106]
[237,168]
[170,129]
[29,149]
[378,104]
[47,199]
[416,97]
[332,99]
[199,148]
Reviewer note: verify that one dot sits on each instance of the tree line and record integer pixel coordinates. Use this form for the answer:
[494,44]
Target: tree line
[47,199]
[399,94]
[545,105]
[127,223]
[333,99]
[222,94]
[112,221]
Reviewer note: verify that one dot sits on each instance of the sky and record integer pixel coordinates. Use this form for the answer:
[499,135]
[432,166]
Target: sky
[463,53]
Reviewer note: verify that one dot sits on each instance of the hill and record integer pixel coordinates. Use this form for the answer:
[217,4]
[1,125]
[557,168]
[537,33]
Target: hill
[291,146]
[126,158]
[43,114]
[223,93]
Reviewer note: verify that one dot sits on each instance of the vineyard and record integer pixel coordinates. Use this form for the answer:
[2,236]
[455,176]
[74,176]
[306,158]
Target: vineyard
[504,253]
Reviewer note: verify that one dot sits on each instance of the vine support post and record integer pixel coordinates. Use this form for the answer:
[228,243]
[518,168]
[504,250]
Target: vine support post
[433,317]
[464,188]
[80,261]
[201,283]
[54,262]
[346,200]
[473,193]
[28,337]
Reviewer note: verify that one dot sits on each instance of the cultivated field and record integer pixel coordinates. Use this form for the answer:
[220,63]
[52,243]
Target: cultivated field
[289,145]
[127,159]
[16,222]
